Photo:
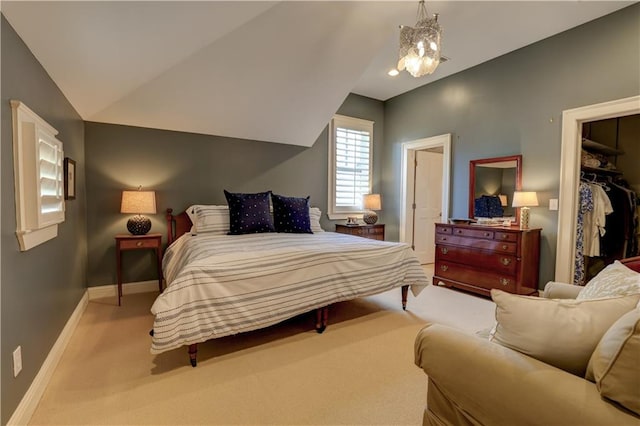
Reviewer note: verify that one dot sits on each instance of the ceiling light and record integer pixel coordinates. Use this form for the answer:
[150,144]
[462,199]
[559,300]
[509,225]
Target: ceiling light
[393,72]
[420,46]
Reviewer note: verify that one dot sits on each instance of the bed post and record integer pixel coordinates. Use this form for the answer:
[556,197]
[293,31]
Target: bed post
[405,292]
[193,352]
[169,217]
[322,317]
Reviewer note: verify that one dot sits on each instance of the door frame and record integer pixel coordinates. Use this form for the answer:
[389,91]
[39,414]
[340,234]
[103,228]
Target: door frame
[572,120]
[443,141]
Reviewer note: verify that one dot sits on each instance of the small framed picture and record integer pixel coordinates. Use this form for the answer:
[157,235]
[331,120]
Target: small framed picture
[69,179]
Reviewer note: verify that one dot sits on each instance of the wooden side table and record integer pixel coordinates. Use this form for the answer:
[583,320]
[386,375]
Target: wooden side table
[373,232]
[138,242]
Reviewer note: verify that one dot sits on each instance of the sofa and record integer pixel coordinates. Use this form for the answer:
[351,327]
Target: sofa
[474,380]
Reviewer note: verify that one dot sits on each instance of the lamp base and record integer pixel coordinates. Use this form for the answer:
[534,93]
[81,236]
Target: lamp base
[370,218]
[139,225]
[524,217]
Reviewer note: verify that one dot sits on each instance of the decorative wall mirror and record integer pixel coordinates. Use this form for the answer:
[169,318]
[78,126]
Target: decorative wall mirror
[492,182]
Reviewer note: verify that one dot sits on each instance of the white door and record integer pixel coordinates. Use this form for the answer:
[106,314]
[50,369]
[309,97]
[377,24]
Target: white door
[428,203]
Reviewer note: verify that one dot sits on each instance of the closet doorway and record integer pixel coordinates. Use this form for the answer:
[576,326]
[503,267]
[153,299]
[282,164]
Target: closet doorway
[570,160]
[425,192]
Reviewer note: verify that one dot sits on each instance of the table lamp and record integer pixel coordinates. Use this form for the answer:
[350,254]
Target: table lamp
[138,202]
[524,200]
[371,202]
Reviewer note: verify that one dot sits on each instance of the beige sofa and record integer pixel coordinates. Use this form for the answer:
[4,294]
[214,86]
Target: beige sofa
[474,381]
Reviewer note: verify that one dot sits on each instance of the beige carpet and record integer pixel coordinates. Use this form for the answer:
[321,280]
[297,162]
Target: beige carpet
[360,371]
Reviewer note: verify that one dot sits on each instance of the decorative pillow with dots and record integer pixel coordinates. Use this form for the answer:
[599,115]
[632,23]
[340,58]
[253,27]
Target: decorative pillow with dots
[291,214]
[249,213]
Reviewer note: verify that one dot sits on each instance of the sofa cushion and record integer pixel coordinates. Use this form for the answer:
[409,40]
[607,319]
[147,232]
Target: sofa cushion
[614,280]
[615,363]
[560,332]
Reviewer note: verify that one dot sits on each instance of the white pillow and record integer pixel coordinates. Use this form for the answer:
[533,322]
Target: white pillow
[209,219]
[614,280]
[314,218]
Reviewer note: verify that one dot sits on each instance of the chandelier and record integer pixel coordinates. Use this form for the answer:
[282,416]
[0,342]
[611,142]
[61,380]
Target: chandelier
[420,46]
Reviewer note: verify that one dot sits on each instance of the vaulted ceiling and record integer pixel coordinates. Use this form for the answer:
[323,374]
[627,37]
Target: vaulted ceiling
[270,71]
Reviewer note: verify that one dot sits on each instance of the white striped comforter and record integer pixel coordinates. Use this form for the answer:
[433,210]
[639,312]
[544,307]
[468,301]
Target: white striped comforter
[220,285]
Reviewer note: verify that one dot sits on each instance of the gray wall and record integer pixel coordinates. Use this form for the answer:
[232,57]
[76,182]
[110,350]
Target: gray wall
[185,168]
[42,286]
[513,105]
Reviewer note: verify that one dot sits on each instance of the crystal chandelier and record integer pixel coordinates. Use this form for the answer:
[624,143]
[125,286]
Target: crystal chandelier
[420,46]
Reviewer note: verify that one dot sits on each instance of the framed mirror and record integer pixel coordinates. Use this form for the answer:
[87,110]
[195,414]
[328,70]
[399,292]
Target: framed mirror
[492,182]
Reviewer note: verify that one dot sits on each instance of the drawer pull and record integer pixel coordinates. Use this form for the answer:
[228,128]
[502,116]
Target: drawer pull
[444,250]
[504,247]
[505,281]
[139,244]
[504,236]
[444,267]
[444,238]
[505,261]
[459,231]
[486,234]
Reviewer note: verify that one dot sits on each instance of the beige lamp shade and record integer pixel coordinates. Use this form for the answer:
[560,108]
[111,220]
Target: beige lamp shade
[524,199]
[138,202]
[503,200]
[372,202]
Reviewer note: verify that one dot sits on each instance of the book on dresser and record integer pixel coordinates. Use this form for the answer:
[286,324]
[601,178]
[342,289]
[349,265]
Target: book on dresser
[479,258]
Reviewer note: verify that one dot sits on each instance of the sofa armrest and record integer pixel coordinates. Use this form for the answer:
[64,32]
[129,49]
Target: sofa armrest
[557,290]
[494,385]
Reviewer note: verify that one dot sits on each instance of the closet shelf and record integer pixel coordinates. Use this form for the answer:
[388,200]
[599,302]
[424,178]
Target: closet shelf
[590,145]
[600,170]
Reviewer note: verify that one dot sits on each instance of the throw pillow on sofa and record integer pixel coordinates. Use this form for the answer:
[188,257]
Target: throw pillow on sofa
[559,332]
[615,363]
[614,280]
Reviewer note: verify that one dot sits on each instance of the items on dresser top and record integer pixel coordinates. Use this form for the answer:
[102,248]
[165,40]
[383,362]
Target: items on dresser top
[478,258]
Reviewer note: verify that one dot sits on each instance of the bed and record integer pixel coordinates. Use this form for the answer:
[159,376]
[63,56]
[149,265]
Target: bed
[220,285]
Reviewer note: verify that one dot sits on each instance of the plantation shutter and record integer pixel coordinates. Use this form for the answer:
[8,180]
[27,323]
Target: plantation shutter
[352,166]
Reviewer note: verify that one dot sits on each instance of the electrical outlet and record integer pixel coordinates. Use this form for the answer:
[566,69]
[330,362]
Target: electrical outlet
[17,361]
[553,204]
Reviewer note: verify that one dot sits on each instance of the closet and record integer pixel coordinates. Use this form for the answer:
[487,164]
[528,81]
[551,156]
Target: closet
[608,227]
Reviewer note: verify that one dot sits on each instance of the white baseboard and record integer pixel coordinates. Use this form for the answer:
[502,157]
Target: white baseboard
[127,288]
[31,398]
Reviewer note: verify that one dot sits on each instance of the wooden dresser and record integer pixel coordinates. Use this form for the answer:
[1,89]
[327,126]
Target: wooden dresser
[479,258]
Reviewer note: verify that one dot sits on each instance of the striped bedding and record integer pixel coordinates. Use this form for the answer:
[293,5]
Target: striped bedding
[219,285]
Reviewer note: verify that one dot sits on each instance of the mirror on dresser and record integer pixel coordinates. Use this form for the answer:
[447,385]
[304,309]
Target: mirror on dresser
[492,182]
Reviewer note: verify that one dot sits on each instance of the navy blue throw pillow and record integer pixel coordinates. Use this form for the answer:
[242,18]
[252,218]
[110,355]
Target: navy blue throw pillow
[291,214]
[249,213]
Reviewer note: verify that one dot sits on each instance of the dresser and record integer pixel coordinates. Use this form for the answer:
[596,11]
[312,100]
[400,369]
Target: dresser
[479,258]
[373,232]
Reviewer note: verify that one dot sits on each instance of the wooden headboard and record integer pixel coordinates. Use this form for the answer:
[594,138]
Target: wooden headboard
[177,225]
[632,263]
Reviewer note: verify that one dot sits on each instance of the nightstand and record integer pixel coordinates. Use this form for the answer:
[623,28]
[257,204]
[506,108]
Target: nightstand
[373,232]
[126,242]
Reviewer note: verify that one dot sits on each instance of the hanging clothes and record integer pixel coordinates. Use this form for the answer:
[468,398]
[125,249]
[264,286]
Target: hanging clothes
[595,220]
[585,205]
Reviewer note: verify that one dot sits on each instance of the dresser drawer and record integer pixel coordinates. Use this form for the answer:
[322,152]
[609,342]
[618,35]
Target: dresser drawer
[492,245]
[506,236]
[442,229]
[136,244]
[476,233]
[503,263]
[475,276]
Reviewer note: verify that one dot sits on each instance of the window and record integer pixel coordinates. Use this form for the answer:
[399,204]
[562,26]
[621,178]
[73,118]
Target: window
[350,159]
[38,171]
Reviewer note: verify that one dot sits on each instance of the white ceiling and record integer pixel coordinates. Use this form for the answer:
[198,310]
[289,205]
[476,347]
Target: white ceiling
[270,71]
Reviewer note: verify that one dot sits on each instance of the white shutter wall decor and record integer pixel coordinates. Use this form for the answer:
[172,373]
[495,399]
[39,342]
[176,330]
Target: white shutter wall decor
[38,170]
[350,160]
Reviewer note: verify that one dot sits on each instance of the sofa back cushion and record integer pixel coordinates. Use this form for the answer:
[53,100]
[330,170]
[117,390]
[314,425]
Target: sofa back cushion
[559,332]
[615,363]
